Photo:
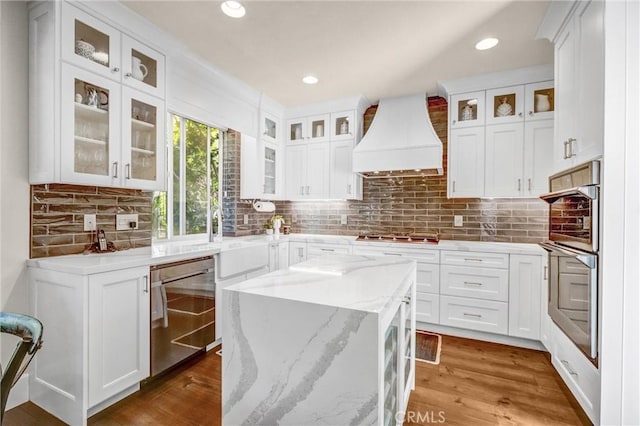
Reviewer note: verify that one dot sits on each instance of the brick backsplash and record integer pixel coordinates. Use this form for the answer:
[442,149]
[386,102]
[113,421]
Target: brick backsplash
[407,205]
[57,217]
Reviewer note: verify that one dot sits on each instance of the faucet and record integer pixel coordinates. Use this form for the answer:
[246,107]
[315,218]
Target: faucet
[216,226]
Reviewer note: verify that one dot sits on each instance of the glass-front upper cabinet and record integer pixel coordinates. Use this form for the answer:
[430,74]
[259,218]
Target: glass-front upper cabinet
[270,129]
[270,159]
[308,129]
[505,105]
[90,43]
[539,100]
[90,127]
[143,67]
[467,110]
[143,124]
[343,125]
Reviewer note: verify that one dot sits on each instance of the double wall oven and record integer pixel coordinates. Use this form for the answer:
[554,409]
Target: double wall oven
[573,247]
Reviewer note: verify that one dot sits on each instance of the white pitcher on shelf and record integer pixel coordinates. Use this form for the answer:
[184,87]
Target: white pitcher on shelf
[138,70]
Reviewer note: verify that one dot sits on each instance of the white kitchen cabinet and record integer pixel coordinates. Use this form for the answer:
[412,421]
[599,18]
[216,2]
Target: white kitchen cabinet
[308,169]
[322,249]
[98,337]
[345,184]
[539,101]
[427,308]
[343,125]
[538,150]
[525,281]
[467,110]
[269,127]
[278,255]
[308,129]
[505,105]
[297,252]
[465,176]
[504,162]
[579,79]
[476,282]
[96,117]
[119,327]
[116,143]
[115,55]
[545,319]
[474,314]
[261,169]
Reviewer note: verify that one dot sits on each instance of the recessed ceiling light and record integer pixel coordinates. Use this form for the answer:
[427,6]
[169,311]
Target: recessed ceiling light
[309,79]
[233,9]
[487,43]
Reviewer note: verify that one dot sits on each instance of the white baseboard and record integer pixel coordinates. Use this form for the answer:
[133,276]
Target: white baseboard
[19,393]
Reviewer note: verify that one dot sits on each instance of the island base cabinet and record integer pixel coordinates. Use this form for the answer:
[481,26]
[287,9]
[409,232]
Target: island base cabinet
[427,308]
[96,333]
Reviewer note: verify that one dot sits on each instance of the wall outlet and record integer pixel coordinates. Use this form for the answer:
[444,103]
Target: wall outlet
[343,219]
[90,222]
[123,221]
[245,219]
[457,220]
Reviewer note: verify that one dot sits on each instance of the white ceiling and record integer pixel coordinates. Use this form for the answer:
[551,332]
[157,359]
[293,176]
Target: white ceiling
[373,48]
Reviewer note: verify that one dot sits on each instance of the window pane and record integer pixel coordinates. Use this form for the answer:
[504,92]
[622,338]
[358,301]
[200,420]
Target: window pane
[176,175]
[196,197]
[159,215]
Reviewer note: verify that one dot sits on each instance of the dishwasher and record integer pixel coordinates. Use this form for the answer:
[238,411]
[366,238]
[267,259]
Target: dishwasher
[182,311]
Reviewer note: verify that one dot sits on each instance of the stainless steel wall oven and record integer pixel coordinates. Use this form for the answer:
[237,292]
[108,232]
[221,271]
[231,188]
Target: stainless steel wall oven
[573,247]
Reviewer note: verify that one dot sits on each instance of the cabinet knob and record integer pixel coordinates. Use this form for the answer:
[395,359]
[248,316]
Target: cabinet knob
[519,114]
[530,112]
[115,69]
[128,74]
[453,123]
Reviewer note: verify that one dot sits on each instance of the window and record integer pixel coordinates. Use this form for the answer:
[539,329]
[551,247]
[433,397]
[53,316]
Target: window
[192,193]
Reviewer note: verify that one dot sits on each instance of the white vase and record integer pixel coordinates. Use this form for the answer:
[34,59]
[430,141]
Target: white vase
[276,226]
[542,103]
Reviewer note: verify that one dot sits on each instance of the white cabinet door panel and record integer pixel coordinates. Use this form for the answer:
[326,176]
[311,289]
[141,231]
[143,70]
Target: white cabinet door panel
[474,314]
[525,280]
[481,283]
[538,150]
[504,162]
[466,163]
[427,307]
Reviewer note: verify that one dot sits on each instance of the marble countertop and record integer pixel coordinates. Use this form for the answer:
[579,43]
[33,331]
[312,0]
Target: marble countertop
[364,283]
[180,250]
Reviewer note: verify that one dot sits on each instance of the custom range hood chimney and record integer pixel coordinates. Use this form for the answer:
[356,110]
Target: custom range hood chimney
[400,141]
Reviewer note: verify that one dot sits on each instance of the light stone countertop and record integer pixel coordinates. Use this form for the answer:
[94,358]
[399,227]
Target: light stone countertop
[363,283]
[164,252]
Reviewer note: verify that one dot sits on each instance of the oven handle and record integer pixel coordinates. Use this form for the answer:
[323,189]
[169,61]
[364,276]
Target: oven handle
[585,258]
[586,190]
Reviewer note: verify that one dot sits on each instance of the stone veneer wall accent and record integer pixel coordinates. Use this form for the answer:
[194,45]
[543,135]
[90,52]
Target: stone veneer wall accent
[57,217]
[409,205]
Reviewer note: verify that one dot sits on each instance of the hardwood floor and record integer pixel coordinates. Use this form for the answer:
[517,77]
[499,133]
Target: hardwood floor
[476,383]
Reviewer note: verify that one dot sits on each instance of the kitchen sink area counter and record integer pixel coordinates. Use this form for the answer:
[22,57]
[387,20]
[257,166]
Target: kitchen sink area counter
[342,329]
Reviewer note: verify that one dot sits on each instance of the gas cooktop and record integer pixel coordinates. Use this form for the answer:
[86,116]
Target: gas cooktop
[416,238]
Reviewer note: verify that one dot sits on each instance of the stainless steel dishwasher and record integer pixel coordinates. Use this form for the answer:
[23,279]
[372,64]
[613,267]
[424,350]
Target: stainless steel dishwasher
[182,311]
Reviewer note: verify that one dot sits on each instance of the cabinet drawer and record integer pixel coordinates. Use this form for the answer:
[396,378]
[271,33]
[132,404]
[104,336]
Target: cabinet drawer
[482,260]
[474,314]
[427,307]
[482,283]
[319,249]
[428,280]
[580,375]
[426,255]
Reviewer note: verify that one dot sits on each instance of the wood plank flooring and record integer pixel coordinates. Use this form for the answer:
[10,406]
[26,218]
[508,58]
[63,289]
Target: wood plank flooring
[476,383]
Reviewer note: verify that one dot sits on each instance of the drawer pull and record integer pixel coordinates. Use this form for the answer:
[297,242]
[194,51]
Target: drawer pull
[570,370]
[392,254]
[467,314]
[472,259]
[472,283]
[327,249]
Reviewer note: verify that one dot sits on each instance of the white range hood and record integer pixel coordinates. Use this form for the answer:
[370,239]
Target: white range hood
[400,141]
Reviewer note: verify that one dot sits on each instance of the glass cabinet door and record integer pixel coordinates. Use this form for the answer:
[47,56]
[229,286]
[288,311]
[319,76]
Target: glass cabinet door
[342,125]
[297,130]
[270,128]
[539,101]
[143,67]
[90,43]
[270,163]
[143,121]
[505,105]
[391,364]
[88,128]
[467,110]
[317,127]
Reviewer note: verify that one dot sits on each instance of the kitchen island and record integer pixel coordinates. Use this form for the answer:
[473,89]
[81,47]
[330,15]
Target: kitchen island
[327,341]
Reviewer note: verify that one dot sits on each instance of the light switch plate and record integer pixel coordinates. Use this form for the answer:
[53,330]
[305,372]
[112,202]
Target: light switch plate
[123,220]
[89,222]
[246,219]
[343,219]
[457,220]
